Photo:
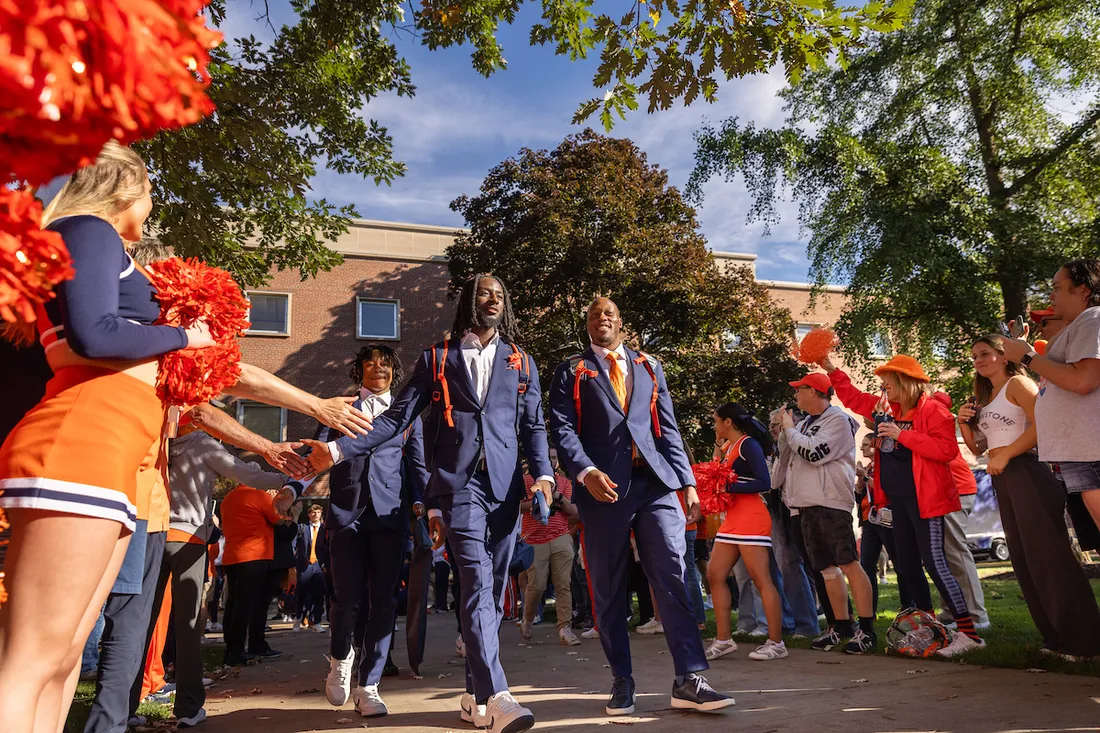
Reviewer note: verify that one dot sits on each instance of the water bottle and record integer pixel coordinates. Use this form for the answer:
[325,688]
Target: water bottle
[539,508]
[882,415]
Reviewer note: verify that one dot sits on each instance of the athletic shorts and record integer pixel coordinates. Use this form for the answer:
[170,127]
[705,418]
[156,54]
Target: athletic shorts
[829,537]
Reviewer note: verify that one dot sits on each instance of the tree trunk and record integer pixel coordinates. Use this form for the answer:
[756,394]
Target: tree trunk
[1014,296]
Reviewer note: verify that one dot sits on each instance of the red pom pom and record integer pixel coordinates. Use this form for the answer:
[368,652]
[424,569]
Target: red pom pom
[816,345]
[711,481]
[32,261]
[77,73]
[191,291]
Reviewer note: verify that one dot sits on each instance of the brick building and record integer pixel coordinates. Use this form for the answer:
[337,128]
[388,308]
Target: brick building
[393,287]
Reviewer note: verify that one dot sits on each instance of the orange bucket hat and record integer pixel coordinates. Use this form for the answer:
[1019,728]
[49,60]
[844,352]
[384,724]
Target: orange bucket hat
[906,365]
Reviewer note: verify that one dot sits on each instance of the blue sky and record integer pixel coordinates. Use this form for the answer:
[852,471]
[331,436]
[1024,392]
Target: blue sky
[459,125]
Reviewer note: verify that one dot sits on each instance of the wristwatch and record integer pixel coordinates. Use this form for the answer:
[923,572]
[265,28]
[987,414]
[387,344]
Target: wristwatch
[1026,358]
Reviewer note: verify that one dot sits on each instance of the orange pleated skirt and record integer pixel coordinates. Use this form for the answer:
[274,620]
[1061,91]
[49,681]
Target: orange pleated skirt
[79,450]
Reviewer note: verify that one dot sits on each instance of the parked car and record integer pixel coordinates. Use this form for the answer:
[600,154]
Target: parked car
[988,546]
[984,534]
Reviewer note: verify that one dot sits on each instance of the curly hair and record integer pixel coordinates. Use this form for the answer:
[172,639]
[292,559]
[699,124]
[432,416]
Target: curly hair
[1087,273]
[389,357]
[466,316]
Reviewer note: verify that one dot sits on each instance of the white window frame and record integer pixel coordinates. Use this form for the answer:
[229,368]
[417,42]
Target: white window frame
[871,347]
[289,306]
[804,324]
[358,318]
[241,404]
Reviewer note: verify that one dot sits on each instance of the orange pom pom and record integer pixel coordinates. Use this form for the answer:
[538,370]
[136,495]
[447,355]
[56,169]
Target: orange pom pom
[711,481]
[1040,347]
[816,345]
[77,73]
[191,291]
[32,261]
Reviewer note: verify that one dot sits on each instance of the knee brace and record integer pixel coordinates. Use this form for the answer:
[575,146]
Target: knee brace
[831,572]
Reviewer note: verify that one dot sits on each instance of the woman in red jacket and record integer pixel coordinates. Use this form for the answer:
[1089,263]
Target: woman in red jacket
[914,478]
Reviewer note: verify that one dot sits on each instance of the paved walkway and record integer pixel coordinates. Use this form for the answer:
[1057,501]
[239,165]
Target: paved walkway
[566,689]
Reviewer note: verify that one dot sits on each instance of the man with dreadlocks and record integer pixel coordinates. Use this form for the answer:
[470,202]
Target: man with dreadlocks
[485,400]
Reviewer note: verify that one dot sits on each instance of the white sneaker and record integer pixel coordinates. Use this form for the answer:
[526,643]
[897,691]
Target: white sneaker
[471,712]
[460,647]
[320,629]
[206,681]
[506,715]
[194,720]
[592,633]
[758,632]
[720,648]
[213,627]
[368,702]
[566,637]
[297,625]
[653,626]
[338,681]
[961,645]
[769,650]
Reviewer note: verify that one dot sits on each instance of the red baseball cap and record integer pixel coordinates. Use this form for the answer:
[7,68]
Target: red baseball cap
[815,380]
[1038,316]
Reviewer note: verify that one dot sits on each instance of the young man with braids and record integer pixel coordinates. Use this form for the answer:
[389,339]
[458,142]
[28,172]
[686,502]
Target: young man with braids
[612,419]
[485,402]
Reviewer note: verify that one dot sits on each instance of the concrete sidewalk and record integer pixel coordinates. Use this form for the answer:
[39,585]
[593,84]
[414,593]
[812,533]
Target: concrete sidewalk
[566,688]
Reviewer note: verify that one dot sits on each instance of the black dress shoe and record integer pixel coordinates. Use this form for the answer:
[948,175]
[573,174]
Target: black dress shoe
[391,669]
[697,694]
[239,660]
[621,701]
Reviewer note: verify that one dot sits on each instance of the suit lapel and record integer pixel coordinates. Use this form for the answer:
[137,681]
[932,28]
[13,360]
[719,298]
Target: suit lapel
[603,380]
[457,373]
[639,391]
[498,376]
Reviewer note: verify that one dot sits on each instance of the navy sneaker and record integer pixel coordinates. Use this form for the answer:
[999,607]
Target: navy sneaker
[621,701]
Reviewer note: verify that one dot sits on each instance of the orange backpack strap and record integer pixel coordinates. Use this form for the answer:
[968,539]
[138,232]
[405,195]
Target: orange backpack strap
[649,363]
[522,362]
[580,372]
[439,368]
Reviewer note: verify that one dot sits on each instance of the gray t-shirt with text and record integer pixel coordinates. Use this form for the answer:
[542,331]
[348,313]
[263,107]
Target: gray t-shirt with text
[1068,423]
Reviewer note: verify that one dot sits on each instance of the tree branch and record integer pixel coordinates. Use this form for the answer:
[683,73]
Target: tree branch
[1071,138]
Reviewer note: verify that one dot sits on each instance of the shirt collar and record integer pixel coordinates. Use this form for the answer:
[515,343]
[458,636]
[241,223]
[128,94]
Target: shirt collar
[601,353]
[366,395]
[472,341]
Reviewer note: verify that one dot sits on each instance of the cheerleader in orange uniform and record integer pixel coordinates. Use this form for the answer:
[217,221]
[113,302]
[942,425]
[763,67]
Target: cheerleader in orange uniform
[746,531]
[68,470]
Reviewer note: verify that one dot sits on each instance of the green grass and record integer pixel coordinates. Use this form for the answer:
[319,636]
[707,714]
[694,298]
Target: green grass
[1012,642]
[85,693]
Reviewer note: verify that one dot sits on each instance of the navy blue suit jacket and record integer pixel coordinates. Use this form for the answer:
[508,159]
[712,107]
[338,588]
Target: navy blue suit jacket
[506,420]
[377,478]
[301,549]
[606,433]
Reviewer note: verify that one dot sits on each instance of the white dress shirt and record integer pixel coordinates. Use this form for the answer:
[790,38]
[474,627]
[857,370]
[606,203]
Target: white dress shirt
[479,362]
[624,364]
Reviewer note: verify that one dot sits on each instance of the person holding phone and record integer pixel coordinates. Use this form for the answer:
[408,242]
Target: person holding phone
[1032,504]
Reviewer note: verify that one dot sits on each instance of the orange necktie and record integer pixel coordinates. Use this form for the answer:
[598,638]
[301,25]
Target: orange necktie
[312,545]
[618,379]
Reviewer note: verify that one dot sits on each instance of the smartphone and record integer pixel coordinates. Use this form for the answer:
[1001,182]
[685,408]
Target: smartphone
[1016,328]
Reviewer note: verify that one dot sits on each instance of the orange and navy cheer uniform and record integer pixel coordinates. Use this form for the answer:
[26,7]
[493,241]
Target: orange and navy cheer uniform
[747,521]
[78,451]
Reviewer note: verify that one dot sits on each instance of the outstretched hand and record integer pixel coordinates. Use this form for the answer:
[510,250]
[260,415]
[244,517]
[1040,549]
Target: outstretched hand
[282,458]
[338,414]
[319,457]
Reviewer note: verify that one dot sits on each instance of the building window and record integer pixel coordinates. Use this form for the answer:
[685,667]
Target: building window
[269,313]
[802,329]
[265,420]
[377,319]
[880,346]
